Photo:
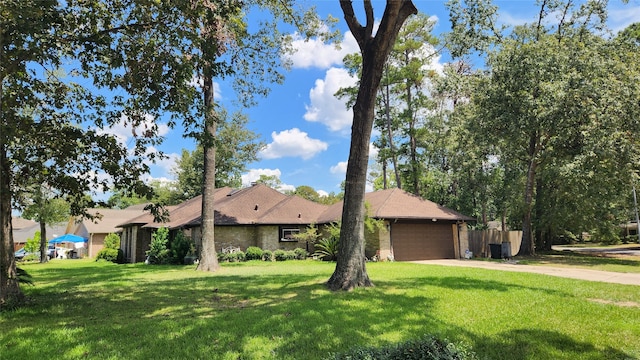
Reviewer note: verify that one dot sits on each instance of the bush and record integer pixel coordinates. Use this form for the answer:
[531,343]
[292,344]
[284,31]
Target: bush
[254,253]
[300,253]
[112,241]
[267,255]
[280,255]
[180,247]
[158,252]
[327,249]
[108,254]
[238,256]
[427,347]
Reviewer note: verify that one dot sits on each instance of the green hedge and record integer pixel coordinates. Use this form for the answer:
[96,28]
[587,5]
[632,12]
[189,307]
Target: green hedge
[425,348]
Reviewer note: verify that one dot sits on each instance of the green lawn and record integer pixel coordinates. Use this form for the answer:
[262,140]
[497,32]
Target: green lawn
[602,262]
[255,310]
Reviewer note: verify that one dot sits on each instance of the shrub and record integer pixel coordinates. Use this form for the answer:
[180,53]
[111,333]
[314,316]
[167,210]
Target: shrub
[112,241]
[180,247]
[300,253]
[427,347]
[238,256]
[327,249]
[108,254]
[267,255]
[254,253]
[158,252]
[280,255]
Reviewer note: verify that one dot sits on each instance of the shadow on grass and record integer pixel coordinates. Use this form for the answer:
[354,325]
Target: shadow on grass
[129,313]
[575,258]
[542,344]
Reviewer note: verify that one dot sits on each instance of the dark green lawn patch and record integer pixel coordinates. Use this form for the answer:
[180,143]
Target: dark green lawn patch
[591,260]
[264,310]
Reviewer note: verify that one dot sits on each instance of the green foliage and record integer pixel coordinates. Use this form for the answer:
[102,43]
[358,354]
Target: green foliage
[33,244]
[425,348]
[112,255]
[254,253]
[267,255]
[280,255]
[300,253]
[180,247]
[327,249]
[112,241]
[232,257]
[310,234]
[158,252]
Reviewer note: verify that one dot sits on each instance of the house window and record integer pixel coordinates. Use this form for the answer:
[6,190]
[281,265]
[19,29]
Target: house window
[289,235]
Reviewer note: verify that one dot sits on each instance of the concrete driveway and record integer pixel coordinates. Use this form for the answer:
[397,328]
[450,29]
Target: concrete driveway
[566,272]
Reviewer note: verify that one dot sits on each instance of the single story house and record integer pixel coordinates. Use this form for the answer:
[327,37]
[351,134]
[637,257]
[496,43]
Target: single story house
[105,223]
[24,229]
[414,229]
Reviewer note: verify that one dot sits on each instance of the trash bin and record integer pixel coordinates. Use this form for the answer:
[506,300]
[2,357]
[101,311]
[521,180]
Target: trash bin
[496,251]
[506,250]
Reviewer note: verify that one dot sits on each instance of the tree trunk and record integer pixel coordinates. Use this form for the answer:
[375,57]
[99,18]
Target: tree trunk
[392,148]
[350,269]
[43,242]
[10,293]
[527,245]
[208,256]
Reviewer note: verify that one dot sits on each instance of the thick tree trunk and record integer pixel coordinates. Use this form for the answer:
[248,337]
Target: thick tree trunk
[208,256]
[527,245]
[350,269]
[10,293]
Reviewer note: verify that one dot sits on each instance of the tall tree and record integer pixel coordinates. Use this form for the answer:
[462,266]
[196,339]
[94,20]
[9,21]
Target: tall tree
[44,208]
[549,100]
[350,269]
[236,146]
[43,112]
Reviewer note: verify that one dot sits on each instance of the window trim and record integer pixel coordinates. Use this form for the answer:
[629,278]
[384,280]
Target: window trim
[292,231]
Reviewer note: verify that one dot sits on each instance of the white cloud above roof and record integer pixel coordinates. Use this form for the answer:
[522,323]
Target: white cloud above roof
[292,143]
[325,107]
[314,53]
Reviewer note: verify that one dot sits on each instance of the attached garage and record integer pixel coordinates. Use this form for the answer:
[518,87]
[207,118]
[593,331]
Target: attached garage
[422,241]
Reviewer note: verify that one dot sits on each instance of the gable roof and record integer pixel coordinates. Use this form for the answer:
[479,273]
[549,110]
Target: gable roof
[262,205]
[108,219]
[397,204]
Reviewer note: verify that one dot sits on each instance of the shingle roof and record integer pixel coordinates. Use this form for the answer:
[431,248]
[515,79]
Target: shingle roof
[397,204]
[109,220]
[259,204]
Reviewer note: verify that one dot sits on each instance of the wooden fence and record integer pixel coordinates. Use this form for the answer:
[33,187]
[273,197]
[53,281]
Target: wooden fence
[479,241]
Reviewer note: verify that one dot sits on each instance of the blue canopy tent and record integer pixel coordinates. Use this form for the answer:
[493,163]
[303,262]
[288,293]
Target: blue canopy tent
[62,253]
[68,238]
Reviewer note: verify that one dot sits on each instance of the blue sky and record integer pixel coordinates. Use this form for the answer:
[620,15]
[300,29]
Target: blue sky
[305,128]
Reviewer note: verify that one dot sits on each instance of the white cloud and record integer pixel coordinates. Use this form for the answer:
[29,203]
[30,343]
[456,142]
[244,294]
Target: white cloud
[198,82]
[339,169]
[124,130]
[314,53]
[292,143]
[322,193]
[327,109]
[373,152]
[254,175]
[623,16]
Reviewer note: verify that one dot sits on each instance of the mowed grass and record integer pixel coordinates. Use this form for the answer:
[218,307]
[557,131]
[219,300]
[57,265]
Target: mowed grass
[256,310]
[593,261]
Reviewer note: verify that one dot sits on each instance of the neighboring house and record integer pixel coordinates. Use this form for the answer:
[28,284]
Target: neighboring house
[24,230]
[105,223]
[413,228]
